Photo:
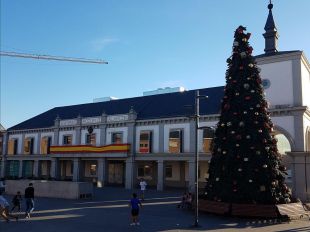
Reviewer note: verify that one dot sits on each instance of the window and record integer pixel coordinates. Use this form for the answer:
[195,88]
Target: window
[168,171]
[145,142]
[93,169]
[12,146]
[144,171]
[15,147]
[28,168]
[46,143]
[67,139]
[13,170]
[28,146]
[208,135]
[117,138]
[90,139]
[176,141]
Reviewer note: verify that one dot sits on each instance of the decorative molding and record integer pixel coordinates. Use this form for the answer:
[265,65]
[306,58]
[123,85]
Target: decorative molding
[279,58]
[117,118]
[68,122]
[91,120]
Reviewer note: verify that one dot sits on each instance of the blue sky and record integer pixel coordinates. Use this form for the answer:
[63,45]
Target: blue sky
[148,44]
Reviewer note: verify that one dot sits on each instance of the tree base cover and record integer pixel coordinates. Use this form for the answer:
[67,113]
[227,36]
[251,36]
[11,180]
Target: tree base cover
[283,211]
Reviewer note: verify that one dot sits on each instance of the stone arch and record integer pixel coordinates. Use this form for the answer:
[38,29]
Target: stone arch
[279,130]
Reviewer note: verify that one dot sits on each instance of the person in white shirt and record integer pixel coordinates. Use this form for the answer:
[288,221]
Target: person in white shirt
[143,185]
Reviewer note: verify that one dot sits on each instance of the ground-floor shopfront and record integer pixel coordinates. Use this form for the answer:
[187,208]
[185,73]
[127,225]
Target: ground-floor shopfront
[159,172]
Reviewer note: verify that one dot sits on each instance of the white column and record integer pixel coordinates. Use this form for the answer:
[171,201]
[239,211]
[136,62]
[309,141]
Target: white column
[160,175]
[129,174]
[38,144]
[101,172]
[191,175]
[36,168]
[76,169]
[54,168]
[20,174]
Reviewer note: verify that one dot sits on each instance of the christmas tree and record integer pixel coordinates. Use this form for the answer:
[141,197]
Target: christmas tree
[245,166]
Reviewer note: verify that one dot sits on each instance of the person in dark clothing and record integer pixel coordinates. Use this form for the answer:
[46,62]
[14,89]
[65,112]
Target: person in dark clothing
[17,200]
[135,204]
[29,197]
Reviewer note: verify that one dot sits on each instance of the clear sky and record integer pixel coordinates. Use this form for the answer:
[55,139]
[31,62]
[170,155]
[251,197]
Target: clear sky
[148,44]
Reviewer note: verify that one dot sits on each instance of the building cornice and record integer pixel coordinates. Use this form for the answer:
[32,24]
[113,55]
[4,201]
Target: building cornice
[279,58]
[274,112]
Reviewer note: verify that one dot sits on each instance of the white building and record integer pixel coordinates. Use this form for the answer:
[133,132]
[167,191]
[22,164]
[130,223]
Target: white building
[117,142]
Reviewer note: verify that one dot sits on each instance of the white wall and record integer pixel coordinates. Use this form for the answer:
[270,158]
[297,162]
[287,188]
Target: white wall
[19,141]
[186,135]
[285,122]
[305,80]
[280,75]
[155,133]
[109,132]
[62,133]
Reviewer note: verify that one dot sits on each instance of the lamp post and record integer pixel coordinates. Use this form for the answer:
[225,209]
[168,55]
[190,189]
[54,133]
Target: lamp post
[196,117]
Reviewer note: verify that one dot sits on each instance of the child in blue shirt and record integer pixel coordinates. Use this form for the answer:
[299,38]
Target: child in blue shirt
[135,204]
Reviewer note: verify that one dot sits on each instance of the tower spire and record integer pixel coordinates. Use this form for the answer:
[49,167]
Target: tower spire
[271,35]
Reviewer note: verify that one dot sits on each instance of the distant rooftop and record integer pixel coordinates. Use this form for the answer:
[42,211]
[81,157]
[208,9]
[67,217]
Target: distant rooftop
[164,90]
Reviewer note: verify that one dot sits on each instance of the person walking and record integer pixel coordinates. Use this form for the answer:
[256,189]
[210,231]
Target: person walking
[4,209]
[135,204]
[17,200]
[143,185]
[29,197]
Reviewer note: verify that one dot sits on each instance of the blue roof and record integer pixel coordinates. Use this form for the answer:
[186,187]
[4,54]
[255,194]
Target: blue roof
[147,107]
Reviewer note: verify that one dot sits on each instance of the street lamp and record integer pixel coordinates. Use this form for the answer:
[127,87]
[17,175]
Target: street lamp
[196,117]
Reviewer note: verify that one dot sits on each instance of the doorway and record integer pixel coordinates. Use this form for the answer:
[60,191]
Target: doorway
[116,173]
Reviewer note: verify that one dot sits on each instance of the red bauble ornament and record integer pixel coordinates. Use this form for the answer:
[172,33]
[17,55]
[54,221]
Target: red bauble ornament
[250,50]
[241,67]
[247,98]
[226,107]
[235,113]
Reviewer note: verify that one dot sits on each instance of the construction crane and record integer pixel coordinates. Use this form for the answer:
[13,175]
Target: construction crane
[48,57]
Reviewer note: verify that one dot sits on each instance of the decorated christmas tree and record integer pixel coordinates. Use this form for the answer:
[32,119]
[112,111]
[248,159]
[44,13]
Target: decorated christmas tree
[246,165]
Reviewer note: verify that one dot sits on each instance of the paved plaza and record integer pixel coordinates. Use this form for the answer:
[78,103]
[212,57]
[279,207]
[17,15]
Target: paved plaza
[109,211]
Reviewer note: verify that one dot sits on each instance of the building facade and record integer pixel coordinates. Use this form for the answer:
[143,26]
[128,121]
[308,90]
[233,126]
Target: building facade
[153,137]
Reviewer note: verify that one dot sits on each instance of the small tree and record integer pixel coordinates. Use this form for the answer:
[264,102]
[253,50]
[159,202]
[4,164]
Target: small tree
[245,166]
